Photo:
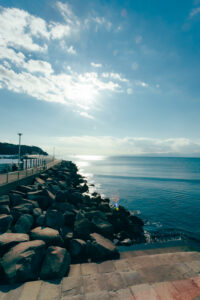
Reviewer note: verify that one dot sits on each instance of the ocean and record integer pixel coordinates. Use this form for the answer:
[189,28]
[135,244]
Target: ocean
[164,192]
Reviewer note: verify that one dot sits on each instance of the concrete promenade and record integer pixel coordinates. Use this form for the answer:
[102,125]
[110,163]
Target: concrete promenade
[157,274]
[7,178]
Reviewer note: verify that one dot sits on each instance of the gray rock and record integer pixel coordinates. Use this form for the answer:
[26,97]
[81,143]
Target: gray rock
[100,248]
[4,200]
[56,263]
[69,218]
[62,196]
[54,219]
[8,240]
[24,188]
[19,210]
[4,209]
[40,221]
[102,227]
[49,235]
[95,214]
[37,212]
[23,261]
[16,199]
[77,248]
[126,242]
[44,202]
[82,228]
[5,222]
[35,195]
[39,180]
[23,224]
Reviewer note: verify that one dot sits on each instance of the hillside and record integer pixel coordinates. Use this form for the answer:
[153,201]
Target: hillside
[11,149]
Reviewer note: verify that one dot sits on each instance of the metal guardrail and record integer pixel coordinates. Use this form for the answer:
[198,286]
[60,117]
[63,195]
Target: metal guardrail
[17,175]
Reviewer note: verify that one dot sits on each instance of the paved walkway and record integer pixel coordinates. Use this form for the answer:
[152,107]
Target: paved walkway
[159,274]
[15,176]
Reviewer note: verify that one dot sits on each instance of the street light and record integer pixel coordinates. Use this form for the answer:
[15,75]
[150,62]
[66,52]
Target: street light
[20,134]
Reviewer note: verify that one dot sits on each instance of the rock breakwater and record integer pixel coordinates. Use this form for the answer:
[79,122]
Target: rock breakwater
[46,226]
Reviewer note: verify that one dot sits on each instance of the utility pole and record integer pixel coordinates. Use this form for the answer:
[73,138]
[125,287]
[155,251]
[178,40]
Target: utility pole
[19,154]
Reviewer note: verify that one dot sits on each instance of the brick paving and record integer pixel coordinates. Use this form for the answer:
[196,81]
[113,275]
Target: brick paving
[158,274]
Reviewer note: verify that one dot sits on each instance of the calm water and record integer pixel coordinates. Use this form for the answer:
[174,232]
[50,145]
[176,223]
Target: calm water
[164,191]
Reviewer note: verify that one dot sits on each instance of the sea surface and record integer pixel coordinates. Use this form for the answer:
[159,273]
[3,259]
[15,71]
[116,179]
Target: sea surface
[164,192]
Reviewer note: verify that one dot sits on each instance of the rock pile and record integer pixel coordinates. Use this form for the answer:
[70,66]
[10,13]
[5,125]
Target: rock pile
[54,222]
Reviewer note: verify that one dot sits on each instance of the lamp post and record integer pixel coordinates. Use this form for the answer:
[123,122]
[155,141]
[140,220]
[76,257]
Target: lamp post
[20,134]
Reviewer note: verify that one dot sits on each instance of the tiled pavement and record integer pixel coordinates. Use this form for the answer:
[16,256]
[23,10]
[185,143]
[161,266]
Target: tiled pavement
[163,274]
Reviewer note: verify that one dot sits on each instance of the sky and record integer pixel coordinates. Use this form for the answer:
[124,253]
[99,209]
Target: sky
[103,77]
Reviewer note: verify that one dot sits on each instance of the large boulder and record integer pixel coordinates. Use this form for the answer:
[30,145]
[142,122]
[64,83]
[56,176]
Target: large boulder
[54,219]
[23,261]
[103,227]
[19,210]
[37,212]
[4,200]
[8,240]
[100,248]
[4,209]
[35,195]
[56,263]
[5,222]
[49,235]
[82,228]
[69,218]
[62,196]
[40,220]
[23,224]
[44,202]
[24,188]
[77,248]
[16,199]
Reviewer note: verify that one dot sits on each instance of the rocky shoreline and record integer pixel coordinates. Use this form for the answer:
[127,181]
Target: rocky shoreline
[46,226]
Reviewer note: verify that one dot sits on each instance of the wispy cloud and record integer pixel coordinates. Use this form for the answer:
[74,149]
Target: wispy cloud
[134,66]
[86,115]
[138,39]
[96,65]
[108,145]
[194,12]
[114,76]
[67,13]
[141,83]
[69,49]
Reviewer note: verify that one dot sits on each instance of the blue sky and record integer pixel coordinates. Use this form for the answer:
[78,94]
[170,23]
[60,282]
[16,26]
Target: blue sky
[101,77]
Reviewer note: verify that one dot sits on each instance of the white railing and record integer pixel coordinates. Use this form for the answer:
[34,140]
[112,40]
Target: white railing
[17,175]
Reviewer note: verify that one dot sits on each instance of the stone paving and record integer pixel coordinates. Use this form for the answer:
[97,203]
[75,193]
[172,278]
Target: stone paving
[164,274]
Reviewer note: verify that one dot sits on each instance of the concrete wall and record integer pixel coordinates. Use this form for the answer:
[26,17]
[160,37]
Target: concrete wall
[5,189]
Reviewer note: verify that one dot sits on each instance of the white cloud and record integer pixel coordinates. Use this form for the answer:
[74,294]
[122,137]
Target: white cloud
[141,83]
[69,49]
[16,30]
[86,115]
[96,65]
[22,32]
[74,89]
[108,145]
[34,66]
[12,55]
[115,76]
[194,12]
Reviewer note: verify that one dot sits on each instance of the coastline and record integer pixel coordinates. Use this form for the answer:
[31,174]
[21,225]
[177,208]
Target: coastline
[56,217]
